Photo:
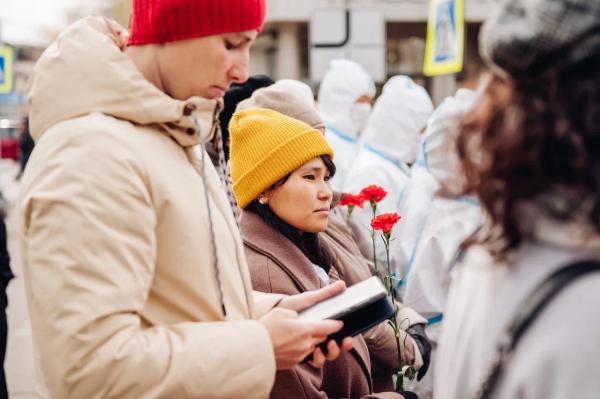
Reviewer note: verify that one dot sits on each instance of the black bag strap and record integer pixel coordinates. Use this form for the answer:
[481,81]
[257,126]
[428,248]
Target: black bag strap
[537,301]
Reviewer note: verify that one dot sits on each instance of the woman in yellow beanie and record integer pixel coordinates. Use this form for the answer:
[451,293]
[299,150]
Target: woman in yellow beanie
[280,169]
[294,99]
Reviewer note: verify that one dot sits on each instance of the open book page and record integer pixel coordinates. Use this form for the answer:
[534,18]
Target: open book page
[353,298]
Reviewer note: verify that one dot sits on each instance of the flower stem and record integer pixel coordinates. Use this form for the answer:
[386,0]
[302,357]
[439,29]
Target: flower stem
[375,268]
[393,320]
[399,376]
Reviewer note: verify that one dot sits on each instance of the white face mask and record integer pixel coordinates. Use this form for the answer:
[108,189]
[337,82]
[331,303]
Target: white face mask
[360,115]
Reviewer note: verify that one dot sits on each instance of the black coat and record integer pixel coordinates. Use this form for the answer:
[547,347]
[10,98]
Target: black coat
[5,271]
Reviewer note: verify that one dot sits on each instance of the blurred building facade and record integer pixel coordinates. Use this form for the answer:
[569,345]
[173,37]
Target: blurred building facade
[282,49]
[13,105]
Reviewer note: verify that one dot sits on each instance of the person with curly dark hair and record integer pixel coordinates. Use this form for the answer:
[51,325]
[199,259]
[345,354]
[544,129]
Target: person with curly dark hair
[530,150]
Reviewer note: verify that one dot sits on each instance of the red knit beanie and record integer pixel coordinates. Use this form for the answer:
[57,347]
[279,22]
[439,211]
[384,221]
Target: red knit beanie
[160,21]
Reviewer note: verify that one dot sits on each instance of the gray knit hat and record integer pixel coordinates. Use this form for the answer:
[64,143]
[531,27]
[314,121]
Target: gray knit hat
[524,38]
[289,97]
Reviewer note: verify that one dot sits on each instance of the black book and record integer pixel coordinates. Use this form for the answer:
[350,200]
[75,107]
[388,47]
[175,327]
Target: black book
[360,307]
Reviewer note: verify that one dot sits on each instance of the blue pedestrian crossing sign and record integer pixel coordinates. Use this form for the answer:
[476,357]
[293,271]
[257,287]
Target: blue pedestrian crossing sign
[6,70]
[445,38]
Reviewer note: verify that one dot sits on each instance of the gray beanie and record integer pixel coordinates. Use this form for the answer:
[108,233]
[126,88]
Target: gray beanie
[289,97]
[524,38]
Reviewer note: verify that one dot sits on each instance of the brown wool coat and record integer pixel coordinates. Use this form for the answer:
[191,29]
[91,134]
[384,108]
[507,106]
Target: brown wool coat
[278,266]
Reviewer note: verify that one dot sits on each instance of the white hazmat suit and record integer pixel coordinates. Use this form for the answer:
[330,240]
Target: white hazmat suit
[343,84]
[389,143]
[448,222]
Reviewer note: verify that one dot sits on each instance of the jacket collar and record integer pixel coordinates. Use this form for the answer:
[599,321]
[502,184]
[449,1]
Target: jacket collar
[264,239]
[538,224]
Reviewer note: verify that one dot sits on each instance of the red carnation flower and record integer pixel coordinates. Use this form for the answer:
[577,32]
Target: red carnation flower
[385,222]
[373,193]
[352,200]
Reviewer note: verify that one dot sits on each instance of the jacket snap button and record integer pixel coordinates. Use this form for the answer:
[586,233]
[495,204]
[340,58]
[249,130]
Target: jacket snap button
[187,110]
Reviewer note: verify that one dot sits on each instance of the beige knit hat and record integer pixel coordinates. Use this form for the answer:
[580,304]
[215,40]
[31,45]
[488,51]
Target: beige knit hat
[289,97]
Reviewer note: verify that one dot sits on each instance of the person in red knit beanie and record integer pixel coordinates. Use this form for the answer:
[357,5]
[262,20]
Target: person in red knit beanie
[171,42]
[194,47]
[134,267]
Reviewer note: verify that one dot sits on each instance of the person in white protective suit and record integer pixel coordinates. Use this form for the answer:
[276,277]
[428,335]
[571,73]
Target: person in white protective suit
[344,101]
[390,143]
[450,220]
[413,208]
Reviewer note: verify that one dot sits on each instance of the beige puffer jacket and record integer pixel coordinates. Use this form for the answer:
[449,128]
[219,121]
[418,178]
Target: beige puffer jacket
[117,250]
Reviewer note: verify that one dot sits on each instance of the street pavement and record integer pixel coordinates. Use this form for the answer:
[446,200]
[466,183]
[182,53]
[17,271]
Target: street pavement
[19,364]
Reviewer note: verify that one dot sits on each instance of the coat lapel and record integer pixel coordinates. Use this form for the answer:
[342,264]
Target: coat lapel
[264,239]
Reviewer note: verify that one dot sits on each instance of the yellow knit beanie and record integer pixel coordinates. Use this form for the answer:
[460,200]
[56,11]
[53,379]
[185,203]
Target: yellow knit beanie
[266,146]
